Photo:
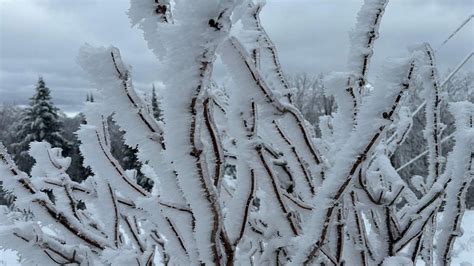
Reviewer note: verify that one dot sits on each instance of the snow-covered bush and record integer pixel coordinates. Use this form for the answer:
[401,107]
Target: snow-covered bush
[296,199]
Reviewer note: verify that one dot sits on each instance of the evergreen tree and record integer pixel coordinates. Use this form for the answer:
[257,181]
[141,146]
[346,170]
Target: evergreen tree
[9,115]
[41,122]
[154,104]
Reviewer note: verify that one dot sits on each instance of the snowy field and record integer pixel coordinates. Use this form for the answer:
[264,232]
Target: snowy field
[463,249]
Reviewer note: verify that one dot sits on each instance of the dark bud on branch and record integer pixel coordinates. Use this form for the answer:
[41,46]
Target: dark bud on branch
[214,24]
[161,9]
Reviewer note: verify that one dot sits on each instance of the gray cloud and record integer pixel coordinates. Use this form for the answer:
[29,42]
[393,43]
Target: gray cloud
[42,37]
[312,36]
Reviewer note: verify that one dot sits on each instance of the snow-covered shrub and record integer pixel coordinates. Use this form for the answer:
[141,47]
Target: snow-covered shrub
[296,199]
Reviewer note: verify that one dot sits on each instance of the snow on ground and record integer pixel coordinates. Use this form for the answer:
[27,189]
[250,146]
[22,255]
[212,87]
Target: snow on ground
[8,258]
[463,248]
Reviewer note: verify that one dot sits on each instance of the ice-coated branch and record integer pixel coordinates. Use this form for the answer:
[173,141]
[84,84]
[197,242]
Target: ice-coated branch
[458,166]
[39,247]
[358,232]
[113,80]
[432,134]
[288,127]
[433,124]
[263,51]
[32,198]
[378,115]
[348,88]
[190,132]
[363,39]
[462,172]
[294,170]
[446,80]
[116,179]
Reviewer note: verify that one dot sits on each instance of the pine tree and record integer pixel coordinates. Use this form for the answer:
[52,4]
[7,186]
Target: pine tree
[41,122]
[154,104]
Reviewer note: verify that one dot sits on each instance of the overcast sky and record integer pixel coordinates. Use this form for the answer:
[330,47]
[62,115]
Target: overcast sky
[42,38]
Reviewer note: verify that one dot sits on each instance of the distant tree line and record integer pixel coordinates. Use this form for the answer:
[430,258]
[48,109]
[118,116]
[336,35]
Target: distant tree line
[43,121]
